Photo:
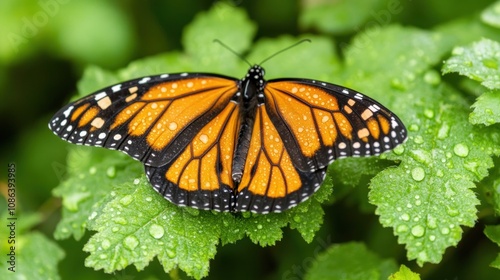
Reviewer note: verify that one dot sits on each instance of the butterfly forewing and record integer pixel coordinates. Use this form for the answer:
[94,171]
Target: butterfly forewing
[200,176]
[321,122]
[151,119]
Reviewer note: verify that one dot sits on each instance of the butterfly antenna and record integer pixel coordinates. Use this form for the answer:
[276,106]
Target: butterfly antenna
[285,49]
[233,51]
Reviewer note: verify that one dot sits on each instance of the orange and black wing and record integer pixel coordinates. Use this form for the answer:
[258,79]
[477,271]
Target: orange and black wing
[152,119]
[303,126]
[271,181]
[201,175]
[183,127]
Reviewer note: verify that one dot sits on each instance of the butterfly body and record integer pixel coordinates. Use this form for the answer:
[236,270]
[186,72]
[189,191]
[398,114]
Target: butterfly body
[217,143]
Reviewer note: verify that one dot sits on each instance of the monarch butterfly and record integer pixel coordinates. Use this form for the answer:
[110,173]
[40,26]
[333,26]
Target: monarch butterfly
[214,142]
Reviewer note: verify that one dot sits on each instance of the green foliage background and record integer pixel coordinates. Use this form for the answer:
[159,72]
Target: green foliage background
[429,209]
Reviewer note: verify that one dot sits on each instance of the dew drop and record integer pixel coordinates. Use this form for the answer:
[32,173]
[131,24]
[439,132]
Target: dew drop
[111,172]
[105,244]
[461,150]
[103,256]
[429,113]
[413,127]
[418,174]
[92,170]
[422,156]
[120,220]
[443,131]
[156,231]
[431,222]
[490,63]
[418,231]
[452,212]
[297,218]
[126,200]
[259,226]
[402,228]
[445,230]
[131,242]
[397,83]
[170,253]
[405,217]
[432,237]
[418,139]
[149,199]
[399,150]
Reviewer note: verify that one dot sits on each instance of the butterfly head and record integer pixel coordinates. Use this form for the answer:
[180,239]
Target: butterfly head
[255,76]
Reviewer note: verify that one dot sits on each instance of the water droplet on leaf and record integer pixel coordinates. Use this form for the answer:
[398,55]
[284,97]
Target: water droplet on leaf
[445,230]
[170,253]
[111,172]
[126,200]
[131,242]
[402,228]
[156,231]
[418,231]
[461,150]
[418,174]
[431,222]
[120,220]
[105,244]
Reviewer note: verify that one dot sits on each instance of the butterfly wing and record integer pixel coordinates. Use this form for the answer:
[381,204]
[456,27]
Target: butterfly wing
[304,126]
[270,181]
[321,122]
[152,119]
[200,177]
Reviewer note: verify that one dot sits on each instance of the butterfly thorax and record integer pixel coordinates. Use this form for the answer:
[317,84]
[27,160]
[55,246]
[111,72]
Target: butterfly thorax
[252,95]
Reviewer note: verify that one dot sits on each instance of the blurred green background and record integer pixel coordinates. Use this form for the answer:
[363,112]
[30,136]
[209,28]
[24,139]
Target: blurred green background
[45,47]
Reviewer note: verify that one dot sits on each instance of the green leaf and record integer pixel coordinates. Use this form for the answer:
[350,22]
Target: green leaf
[92,173]
[137,224]
[225,23]
[480,62]
[486,109]
[493,233]
[36,257]
[491,15]
[350,261]
[428,196]
[336,17]
[404,273]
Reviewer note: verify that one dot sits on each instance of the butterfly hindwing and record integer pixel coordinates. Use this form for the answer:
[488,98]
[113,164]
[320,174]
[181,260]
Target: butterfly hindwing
[151,119]
[271,182]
